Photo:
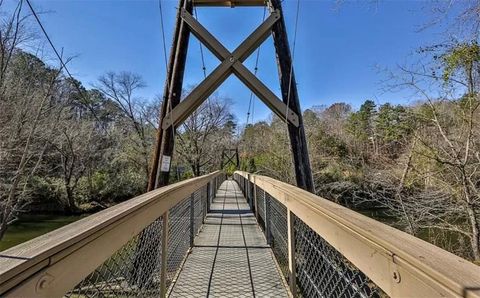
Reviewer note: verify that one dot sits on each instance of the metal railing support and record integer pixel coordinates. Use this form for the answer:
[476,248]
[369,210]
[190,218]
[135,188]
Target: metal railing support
[192,218]
[163,274]
[208,196]
[64,261]
[252,189]
[291,253]
[247,188]
[381,258]
[255,198]
[266,202]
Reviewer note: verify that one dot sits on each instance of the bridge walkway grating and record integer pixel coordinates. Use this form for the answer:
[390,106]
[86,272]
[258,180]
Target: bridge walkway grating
[230,257]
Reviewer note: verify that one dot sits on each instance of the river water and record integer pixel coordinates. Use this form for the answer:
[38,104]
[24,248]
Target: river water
[31,226]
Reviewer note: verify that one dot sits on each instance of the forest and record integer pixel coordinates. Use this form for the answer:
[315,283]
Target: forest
[71,149]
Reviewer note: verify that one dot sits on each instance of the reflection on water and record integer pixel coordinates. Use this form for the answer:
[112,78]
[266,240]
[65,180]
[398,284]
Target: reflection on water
[31,226]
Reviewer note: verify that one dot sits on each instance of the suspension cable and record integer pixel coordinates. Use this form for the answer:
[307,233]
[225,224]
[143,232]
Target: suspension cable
[163,36]
[201,46]
[62,63]
[204,68]
[164,45]
[251,102]
[291,65]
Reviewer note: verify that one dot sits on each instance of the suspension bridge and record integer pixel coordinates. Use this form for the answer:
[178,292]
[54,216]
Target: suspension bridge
[242,236]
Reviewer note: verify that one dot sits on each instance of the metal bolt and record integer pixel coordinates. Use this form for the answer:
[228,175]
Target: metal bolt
[231,59]
[43,282]
[396,276]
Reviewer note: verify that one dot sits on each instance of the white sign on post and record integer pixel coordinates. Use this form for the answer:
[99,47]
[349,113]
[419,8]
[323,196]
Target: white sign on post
[165,163]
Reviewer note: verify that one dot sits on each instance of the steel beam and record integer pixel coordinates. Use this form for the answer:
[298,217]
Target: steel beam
[187,106]
[288,84]
[243,73]
[265,94]
[171,98]
[231,64]
[228,3]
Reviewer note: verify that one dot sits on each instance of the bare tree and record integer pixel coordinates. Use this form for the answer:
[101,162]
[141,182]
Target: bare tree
[204,133]
[25,133]
[447,145]
[121,88]
[14,32]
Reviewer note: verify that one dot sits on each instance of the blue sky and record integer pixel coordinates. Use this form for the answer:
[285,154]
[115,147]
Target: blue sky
[338,48]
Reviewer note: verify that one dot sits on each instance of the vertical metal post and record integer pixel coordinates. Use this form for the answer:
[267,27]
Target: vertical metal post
[163,274]
[291,253]
[266,201]
[208,196]
[255,198]
[192,218]
[247,191]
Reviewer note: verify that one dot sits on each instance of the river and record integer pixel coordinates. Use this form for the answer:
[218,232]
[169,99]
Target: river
[31,226]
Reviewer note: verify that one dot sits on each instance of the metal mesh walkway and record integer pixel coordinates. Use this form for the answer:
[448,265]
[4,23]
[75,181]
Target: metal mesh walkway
[231,257]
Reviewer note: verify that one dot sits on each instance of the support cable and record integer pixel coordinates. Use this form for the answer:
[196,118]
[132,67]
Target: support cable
[166,107]
[251,102]
[62,63]
[204,68]
[163,36]
[164,45]
[291,65]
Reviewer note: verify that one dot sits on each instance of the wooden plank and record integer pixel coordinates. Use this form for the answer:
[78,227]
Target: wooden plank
[58,244]
[379,250]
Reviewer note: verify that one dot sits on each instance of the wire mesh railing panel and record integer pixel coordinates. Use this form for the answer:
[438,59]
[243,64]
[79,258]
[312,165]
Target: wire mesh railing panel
[134,270]
[251,194]
[137,247]
[261,205]
[178,237]
[198,210]
[323,272]
[204,202]
[279,233]
[241,183]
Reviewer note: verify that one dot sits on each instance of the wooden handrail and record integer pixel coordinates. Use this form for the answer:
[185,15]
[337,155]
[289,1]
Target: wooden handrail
[52,264]
[400,264]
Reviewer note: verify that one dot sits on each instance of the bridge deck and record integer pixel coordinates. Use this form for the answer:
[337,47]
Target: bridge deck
[230,257]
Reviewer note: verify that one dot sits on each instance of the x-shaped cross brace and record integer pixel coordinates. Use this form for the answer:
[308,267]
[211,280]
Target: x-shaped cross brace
[231,63]
[230,157]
